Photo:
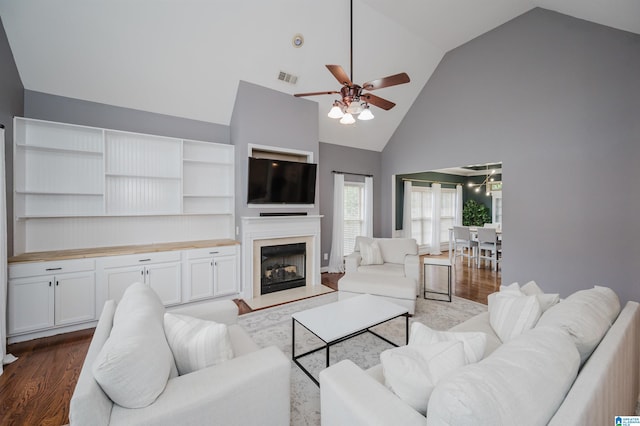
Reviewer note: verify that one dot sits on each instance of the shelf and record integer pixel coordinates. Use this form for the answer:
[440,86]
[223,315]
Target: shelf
[124,175]
[206,196]
[27,217]
[54,149]
[212,163]
[91,194]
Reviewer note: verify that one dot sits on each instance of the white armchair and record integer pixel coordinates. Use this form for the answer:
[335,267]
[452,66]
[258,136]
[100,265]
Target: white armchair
[399,258]
[252,388]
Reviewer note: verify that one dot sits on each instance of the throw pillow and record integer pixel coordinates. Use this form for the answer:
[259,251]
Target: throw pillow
[196,343]
[413,371]
[511,315]
[513,287]
[473,343]
[371,254]
[546,300]
[134,364]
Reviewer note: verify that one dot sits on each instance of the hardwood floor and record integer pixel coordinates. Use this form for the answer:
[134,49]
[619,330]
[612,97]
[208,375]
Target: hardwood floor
[36,389]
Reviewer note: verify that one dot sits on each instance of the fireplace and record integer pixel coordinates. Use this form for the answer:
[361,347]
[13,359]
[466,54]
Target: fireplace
[260,231]
[282,267]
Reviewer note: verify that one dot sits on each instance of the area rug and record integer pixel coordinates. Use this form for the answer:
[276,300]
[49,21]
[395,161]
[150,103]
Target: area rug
[272,326]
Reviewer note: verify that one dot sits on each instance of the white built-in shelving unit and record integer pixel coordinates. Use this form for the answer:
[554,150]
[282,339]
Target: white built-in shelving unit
[74,185]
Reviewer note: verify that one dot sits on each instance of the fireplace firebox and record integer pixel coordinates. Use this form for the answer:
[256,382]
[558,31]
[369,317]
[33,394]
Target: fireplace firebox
[282,267]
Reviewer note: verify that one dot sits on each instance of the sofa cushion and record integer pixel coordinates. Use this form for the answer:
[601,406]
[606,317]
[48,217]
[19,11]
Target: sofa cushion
[480,323]
[413,371]
[394,250]
[523,381]
[196,343]
[473,343]
[586,315]
[379,285]
[511,314]
[134,364]
[388,269]
[370,252]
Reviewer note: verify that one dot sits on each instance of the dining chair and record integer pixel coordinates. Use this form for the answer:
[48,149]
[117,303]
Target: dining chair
[463,240]
[488,241]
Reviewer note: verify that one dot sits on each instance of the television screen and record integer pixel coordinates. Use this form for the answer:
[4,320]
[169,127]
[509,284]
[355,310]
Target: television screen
[281,182]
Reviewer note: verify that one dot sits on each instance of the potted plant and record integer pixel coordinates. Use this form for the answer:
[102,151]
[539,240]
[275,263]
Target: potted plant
[475,214]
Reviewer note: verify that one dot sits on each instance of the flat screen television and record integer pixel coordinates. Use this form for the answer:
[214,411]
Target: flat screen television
[281,182]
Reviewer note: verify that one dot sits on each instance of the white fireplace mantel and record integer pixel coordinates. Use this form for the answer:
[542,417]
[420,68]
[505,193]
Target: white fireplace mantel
[274,227]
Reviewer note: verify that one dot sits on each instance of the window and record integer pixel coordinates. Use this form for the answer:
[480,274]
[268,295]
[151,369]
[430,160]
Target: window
[422,213]
[496,207]
[353,214]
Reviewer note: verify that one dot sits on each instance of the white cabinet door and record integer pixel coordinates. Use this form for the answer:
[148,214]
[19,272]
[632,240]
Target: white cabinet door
[225,277]
[118,279]
[200,280]
[30,304]
[75,297]
[165,280]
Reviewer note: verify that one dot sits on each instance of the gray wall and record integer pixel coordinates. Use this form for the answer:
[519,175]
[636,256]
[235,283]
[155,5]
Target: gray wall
[75,111]
[552,96]
[11,104]
[262,116]
[346,159]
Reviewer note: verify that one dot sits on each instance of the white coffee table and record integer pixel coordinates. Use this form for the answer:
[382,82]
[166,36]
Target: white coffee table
[336,322]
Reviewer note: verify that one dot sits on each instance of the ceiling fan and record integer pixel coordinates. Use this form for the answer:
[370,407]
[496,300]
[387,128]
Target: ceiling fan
[354,99]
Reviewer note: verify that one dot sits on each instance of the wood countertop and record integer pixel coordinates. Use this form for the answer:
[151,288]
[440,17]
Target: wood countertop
[44,256]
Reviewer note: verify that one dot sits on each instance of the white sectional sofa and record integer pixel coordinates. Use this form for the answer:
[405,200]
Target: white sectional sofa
[136,367]
[545,375]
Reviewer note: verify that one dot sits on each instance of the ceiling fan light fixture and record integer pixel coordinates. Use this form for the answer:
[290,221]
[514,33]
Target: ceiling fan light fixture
[354,108]
[366,114]
[347,119]
[335,111]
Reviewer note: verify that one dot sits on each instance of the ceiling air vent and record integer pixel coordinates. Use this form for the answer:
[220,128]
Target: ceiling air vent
[287,78]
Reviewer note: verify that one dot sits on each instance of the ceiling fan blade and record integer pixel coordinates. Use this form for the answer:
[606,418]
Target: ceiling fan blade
[332,92]
[377,101]
[391,80]
[339,74]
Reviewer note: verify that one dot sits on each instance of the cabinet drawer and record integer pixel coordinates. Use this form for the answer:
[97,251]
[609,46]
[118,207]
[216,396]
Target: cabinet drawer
[140,259]
[211,251]
[32,269]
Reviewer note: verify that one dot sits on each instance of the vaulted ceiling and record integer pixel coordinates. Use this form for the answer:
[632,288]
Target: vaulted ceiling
[185,58]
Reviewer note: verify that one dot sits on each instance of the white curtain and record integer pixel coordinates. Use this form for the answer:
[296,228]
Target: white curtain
[406,210]
[336,261]
[368,206]
[458,215]
[436,203]
[3,260]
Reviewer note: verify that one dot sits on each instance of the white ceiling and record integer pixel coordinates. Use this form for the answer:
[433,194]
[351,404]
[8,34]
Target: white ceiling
[185,58]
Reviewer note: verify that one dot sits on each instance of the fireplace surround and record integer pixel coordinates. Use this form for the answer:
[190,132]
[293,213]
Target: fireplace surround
[261,231]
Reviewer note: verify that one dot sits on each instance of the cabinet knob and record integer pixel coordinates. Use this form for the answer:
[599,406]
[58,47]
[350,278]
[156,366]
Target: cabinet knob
[142,272]
[49,283]
[56,283]
[53,269]
[144,260]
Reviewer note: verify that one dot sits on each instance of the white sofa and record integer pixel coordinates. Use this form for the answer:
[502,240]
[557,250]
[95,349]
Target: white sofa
[251,388]
[399,258]
[606,384]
